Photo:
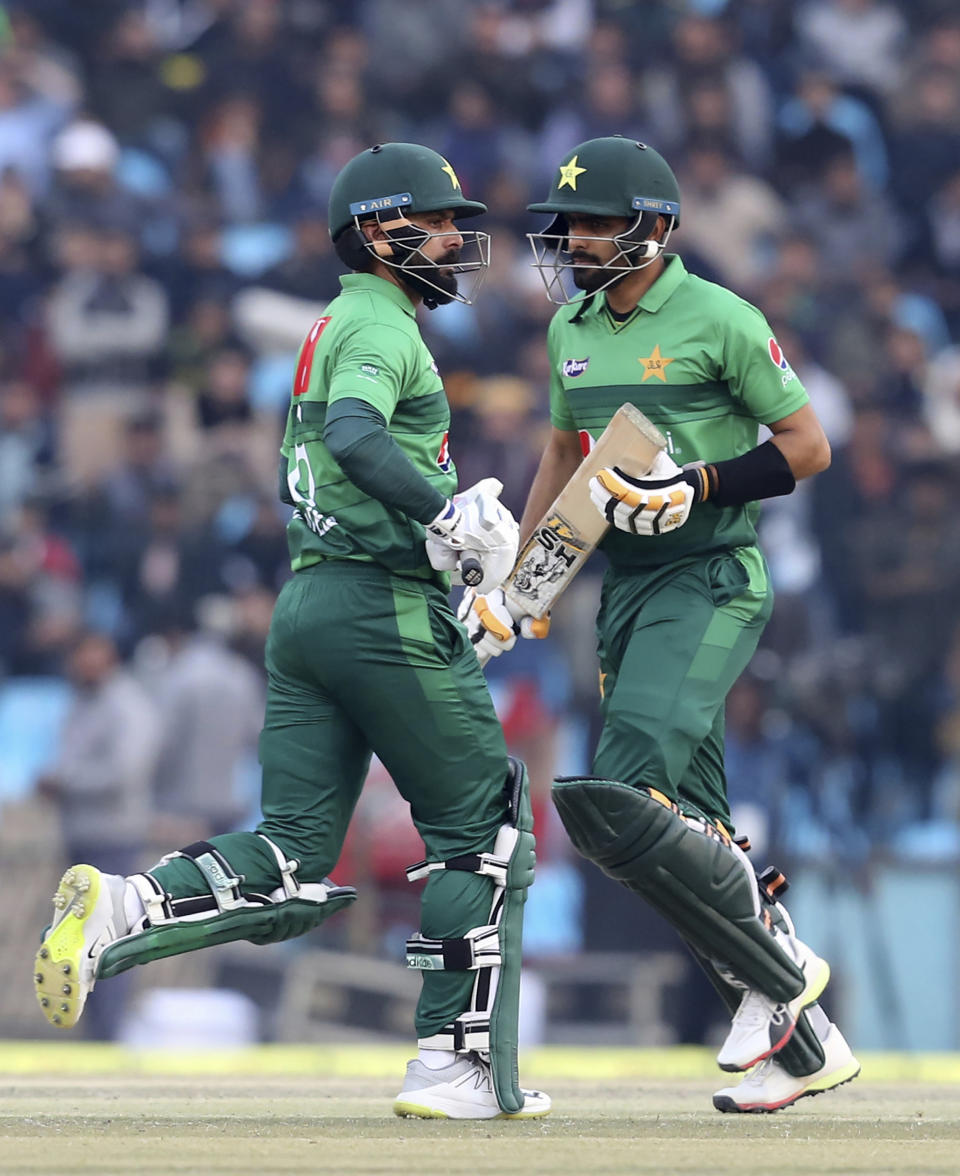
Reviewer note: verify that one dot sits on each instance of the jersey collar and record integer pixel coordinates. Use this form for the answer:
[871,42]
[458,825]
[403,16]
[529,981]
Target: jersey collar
[380,286]
[673,274]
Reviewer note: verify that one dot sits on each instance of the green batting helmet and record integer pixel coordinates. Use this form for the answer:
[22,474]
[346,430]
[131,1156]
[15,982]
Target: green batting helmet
[404,176]
[613,176]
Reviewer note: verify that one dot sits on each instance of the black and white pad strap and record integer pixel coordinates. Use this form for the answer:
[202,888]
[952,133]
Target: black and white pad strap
[217,873]
[468,1032]
[156,901]
[290,885]
[479,948]
[486,864]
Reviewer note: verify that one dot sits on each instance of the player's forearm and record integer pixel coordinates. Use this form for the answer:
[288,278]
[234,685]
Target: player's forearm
[802,441]
[804,455]
[560,459]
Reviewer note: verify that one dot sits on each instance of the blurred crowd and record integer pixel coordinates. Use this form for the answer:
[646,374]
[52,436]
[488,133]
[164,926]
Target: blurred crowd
[164,173]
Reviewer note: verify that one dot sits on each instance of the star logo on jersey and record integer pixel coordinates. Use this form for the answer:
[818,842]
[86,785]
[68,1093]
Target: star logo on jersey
[568,174]
[454,182]
[654,365]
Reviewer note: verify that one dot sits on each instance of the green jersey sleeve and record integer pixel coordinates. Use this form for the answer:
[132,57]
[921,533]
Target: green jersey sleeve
[372,367]
[560,415]
[755,368]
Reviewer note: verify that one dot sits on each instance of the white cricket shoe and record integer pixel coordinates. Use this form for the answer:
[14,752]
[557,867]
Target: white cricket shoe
[770,1088]
[87,916]
[462,1090]
[761,1026]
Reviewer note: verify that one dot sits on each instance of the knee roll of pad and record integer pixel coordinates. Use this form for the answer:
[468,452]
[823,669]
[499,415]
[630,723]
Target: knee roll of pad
[173,926]
[686,868]
[492,950]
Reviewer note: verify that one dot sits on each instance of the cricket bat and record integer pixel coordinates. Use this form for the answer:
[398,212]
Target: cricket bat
[572,527]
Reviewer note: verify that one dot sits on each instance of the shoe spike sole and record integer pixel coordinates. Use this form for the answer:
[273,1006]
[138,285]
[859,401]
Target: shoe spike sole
[57,963]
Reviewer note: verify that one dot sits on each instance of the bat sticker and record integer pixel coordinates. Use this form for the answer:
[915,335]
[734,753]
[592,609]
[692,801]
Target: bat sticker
[554,547]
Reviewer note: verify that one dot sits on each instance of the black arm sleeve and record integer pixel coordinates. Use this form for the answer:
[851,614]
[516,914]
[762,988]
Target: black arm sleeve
[356,435]
[759,473]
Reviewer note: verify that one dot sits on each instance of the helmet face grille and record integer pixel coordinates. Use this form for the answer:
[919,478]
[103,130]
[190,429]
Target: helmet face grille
[558,270]
[436,281]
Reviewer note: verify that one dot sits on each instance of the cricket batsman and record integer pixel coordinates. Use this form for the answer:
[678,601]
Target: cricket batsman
[364,654]
[687,593]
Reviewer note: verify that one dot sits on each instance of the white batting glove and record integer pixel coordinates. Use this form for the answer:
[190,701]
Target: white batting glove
[653,505]
[494,623]
[475,523]
[442,557]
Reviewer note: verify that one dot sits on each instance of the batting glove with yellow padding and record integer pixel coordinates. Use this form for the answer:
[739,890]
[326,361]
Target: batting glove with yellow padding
[653,505]
[494,623]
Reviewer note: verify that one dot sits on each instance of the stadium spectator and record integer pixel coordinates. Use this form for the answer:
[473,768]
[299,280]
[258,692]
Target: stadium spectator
[210,702]
[854,227]
[100,780]
[860,41]
[107,324]
[26,445]
[729,218]
[36,99]
[704,47]
[818,124]
[41,591]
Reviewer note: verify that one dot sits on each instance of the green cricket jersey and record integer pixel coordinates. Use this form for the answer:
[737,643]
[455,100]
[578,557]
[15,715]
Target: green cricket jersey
[703,365]
[367,346]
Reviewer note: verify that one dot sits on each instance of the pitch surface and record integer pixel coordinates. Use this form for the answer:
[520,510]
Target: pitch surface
[94,1110]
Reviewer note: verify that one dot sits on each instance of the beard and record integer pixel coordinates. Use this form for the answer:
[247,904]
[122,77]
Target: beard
[596,276]
[439,286]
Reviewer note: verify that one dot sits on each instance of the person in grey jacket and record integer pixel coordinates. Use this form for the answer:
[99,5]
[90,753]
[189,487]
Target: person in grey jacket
[101,778]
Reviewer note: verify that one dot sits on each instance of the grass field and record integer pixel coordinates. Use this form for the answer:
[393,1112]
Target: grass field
[70,1108]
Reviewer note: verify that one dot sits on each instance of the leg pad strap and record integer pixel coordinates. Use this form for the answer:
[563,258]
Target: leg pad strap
[479,948]
[172,926]
[489,1025]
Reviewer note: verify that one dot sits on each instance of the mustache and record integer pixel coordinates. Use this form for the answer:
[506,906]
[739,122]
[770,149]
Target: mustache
[580,258]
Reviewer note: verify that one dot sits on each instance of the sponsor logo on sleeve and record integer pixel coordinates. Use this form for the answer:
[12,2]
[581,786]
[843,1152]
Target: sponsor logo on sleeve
[370,371]
[575,367]
[444,460]
[776,354]
[775,351]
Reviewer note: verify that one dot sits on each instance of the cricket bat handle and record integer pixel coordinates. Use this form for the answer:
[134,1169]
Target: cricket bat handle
[470,571]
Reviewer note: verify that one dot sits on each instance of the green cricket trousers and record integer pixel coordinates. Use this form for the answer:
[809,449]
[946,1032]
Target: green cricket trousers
[672,642]
[360,661]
